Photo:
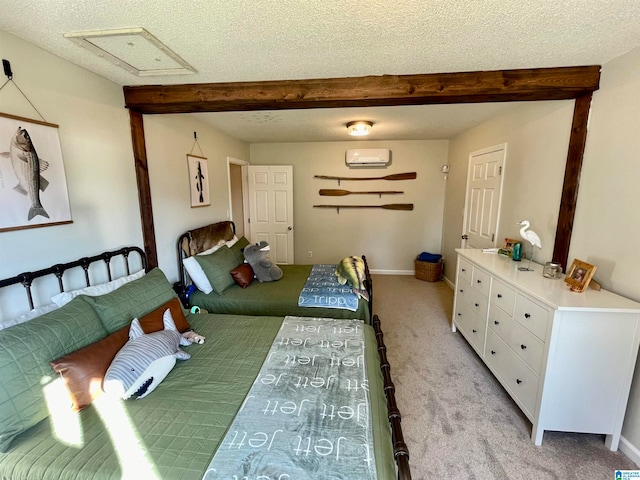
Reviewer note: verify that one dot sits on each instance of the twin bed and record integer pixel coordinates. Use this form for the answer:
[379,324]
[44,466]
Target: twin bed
[195,413]
[269,298]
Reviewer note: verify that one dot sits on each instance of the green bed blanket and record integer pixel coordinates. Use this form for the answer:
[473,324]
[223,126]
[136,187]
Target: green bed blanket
[174,432]
[278,298]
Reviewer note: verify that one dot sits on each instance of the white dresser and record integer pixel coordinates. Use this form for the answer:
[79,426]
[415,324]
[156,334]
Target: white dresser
[566,358]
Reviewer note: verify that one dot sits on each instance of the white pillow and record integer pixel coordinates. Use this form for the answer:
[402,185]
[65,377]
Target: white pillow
[231,242]
[197,274]
[36,312]
[212,249]
[95,290]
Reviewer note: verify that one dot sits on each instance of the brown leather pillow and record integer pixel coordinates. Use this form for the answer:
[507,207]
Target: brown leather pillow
[243,275]
[152,321]
[84,369]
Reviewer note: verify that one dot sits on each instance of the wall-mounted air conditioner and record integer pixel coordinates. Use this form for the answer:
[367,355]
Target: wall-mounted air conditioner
[368,157]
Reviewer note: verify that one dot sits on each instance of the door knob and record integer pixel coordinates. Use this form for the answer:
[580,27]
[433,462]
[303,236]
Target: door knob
[289,228]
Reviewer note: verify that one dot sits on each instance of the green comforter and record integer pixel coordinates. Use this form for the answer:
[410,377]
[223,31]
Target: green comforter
[174,432]
[278,298]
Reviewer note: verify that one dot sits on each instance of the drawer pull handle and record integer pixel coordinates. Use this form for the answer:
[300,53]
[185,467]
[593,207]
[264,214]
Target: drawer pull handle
[479,281]
[496,322]
[459,314]
[461,290]
[493,352]
[477,304]
[499,295]
[527,315]
[464,269]
[523,347]
[518,381]
[474,330]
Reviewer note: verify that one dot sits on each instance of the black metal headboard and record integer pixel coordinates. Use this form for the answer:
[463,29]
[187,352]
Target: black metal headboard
[197,240]
[27,278]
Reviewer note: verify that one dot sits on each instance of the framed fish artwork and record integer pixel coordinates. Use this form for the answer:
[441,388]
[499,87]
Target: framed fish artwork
[33,184]
[198,181]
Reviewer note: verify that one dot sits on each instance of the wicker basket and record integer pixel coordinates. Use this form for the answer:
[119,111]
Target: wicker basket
[431,272]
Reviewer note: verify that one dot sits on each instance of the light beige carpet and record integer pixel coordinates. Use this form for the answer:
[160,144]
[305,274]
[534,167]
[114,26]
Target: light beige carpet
[457,420]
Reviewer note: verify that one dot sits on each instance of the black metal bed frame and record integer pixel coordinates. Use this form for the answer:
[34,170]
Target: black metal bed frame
[400,450]
[26,278]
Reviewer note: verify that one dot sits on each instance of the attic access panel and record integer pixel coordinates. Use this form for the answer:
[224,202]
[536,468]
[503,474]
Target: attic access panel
[133,49]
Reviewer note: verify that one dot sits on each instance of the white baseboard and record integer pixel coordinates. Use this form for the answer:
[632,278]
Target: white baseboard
[629,450]
[408,272]
[392,272]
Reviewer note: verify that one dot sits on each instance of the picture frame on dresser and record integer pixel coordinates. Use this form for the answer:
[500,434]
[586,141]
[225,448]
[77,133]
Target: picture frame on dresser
[579,275]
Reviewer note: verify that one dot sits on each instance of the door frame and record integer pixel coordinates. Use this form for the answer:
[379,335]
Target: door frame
[245,195]
[273,225]
[465,211]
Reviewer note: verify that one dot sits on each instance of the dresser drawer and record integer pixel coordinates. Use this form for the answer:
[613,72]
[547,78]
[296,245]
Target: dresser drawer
[472,327]
[534,317]
[497,354]
[523,382]
[465,269]
[519,380]
[477,302]
[503,296]
[500,323]
[527,346]
[481,281]
[463,291]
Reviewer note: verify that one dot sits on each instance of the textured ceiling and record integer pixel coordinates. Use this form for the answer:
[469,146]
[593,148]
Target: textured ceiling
[235,40]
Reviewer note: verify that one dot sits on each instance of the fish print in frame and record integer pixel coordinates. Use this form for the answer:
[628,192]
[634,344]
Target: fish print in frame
[198,181]
[33,187]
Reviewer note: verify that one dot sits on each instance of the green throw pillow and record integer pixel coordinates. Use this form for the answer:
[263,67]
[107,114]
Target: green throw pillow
[238,248]
[27,349]
[217,267]
[133,299]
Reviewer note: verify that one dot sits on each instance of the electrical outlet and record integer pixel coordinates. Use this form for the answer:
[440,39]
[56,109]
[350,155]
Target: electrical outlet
[309,254]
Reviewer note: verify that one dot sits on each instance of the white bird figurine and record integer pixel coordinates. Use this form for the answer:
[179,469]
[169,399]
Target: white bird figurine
[531,237]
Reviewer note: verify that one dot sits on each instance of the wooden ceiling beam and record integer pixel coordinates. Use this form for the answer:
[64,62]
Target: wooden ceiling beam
[561,83]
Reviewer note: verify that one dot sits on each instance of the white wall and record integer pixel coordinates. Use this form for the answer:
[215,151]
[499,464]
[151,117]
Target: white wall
[96,146]
[537,138]
[169,138]
[95,138]
[607,224]
[390,239]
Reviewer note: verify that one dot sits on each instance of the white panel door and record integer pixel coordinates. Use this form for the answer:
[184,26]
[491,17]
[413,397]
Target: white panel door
[271,209]
[484,192]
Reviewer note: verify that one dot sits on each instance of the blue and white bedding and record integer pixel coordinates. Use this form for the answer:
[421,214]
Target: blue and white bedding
[323,290]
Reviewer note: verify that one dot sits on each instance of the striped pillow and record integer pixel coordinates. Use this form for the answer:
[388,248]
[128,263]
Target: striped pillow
[144,361]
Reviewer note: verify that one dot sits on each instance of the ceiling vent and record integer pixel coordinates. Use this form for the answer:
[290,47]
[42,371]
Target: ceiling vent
[368,157]
[134,49]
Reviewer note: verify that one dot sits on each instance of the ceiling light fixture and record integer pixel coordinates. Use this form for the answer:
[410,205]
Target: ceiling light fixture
[359,128]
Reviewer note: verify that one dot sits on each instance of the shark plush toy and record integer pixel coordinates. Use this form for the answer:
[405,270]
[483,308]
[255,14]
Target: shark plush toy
[145,360]
[257,255]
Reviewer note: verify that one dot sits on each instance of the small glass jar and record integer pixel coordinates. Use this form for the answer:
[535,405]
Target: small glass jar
[552,270]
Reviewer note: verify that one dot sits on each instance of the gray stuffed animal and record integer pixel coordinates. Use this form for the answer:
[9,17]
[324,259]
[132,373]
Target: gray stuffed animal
[257,255]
